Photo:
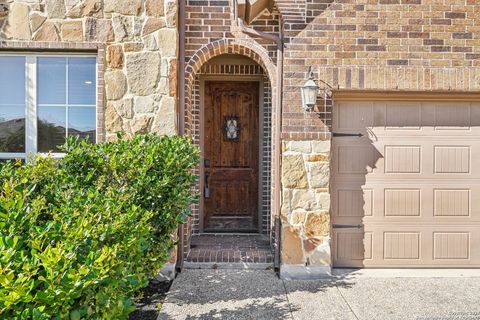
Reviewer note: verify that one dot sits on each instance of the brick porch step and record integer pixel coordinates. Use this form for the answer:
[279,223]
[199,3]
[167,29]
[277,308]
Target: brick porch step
[236,251]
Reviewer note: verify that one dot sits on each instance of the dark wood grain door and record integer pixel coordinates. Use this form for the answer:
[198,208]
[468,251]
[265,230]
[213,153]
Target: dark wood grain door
[231,155]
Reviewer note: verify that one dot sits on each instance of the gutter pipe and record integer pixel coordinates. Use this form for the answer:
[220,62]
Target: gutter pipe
[181,120]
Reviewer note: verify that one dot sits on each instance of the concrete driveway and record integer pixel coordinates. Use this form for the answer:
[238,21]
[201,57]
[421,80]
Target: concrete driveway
[256,294]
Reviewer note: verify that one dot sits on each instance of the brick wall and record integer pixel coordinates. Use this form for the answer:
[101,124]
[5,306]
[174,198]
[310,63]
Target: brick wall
[210,20]
[384,44]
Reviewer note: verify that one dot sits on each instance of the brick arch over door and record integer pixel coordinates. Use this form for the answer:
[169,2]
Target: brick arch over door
[228,46]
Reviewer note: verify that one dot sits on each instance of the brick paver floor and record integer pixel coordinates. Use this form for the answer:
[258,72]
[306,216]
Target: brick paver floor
[220,248]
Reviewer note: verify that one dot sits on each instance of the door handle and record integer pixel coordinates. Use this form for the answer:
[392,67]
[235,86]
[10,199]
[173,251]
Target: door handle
[347,226]
[206,188]
[343,134]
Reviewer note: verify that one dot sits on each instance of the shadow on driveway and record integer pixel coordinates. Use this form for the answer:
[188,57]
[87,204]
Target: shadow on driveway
[232,294]
[241,294]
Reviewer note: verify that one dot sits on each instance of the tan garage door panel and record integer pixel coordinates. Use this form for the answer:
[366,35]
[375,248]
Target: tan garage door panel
[408,192]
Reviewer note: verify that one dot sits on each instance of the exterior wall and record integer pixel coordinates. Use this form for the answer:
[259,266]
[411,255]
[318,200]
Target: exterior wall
[210,20]
[394,45]
[136,45]
[137,39]
[384,45]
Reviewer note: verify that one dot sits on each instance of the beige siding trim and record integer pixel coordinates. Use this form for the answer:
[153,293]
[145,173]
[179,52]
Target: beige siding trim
[387,95]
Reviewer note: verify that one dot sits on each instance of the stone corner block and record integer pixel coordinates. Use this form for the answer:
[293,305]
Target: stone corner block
[167,40]
[317,224]
[299,146]
[319,174]
[321,146]
[317,251]
[294,174]
[292,246]
[165,120]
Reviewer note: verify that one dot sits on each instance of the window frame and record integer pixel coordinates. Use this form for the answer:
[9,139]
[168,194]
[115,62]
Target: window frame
[31,105]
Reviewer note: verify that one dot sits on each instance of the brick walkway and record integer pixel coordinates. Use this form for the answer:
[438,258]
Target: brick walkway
[219,248]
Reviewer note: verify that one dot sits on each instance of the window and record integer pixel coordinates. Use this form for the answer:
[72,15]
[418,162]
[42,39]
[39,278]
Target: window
[44,99]
[12,104]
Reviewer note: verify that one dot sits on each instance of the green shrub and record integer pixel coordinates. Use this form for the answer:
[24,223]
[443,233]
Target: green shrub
[79,236]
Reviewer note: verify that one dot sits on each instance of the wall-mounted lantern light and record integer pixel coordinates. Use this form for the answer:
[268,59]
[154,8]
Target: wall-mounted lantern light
[309,92]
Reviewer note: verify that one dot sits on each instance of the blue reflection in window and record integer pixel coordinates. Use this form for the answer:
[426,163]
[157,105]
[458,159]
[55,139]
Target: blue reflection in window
[81,81]
[12,81]
[12,104]
[51,127]
[52,80]
[81,122]
[59,80]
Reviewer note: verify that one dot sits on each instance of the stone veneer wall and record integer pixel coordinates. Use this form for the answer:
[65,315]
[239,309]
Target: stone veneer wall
[136,42]
[140,39]
[305,207]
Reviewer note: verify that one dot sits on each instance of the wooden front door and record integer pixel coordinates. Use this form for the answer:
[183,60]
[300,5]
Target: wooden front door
[231,155]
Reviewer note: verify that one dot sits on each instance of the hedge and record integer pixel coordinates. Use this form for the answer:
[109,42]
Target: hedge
[81,235]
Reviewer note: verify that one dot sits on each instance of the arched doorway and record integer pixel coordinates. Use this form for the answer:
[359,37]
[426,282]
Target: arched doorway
[232,147]
[228,113]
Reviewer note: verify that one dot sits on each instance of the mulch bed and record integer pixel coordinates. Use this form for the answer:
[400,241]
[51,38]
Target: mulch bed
[150,303]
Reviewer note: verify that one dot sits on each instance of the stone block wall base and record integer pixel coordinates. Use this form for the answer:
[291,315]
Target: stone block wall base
[302,272]
[167,273]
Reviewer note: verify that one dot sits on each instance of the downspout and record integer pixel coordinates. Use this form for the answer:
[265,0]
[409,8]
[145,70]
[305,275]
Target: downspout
[278,150]
[277,133]
[181,66]
[181,115]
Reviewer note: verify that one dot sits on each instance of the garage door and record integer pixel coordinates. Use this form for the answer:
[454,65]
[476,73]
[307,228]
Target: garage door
[407,192]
